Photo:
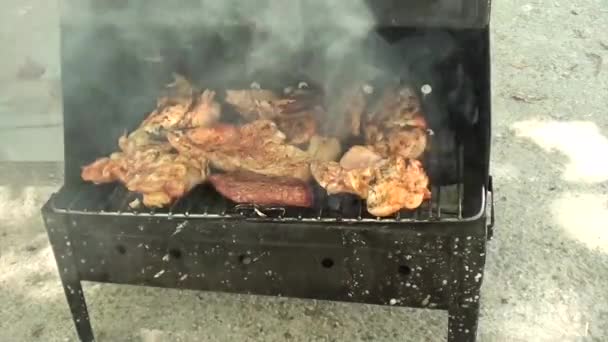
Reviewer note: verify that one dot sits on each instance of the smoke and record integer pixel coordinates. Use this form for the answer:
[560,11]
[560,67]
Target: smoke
[117,55]
[310,36]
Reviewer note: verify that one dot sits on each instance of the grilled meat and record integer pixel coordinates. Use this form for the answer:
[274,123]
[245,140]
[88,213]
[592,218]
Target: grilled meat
[358,157]
[298,129]
[336,179]
[181,113]
[152,170]
[388,185]
[296,115]
[406,142]
[397,107]
[249,187]
[397,184]
[257,147]
[396,125]
[147,163]
[255,104]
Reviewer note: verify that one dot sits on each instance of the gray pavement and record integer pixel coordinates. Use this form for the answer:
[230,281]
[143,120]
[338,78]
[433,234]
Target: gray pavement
[547,269]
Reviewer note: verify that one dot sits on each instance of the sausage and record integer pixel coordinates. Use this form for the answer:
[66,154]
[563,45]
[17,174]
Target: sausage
[249,187]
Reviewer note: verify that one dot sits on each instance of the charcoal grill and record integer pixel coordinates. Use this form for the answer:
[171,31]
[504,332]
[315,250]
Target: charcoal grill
[432,257]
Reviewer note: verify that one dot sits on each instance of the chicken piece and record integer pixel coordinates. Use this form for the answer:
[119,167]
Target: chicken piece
[167,178]
[324,149]
[396,125]
[336,179]
[249,187]
[388,185]
[182,108]
[259,147]
[205,112]
[358,157]
[99,171]
[215,137]
[398,184]
[298,130]
[405,142]
[255,104]
[397,107]
[152,170]
[295,115]
[182,113]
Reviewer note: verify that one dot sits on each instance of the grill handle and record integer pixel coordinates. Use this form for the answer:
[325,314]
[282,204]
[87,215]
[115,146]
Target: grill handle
[490,226]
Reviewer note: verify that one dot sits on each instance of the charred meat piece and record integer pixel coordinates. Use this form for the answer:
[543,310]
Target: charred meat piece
[249,187]
[255,104]
[388,185]
[396,126]
[409,143]
[296,115]
[182,113]
[153,170]
[397,107]
[257,147]
[182,107]
[298,129]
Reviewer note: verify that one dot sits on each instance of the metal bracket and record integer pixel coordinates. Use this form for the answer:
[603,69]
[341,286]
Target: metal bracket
[253,210]
[490,226]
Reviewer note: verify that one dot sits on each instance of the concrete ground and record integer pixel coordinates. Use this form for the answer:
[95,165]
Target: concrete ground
[547,269]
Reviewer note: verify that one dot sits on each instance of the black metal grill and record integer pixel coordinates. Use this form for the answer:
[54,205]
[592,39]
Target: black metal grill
[332,251]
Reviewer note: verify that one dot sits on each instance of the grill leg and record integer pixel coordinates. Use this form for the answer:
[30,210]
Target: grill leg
[62,249]
[462,324]
[78,307]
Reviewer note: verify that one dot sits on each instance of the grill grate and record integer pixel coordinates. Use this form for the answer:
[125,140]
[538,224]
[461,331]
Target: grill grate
[204,202]
[446,204]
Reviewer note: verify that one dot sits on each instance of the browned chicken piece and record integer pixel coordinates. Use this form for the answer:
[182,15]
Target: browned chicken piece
[255,104]
[358,157]
[324,148]
[388,185]
[257,147]
[182,114]
[405,142]
[296,115]
[336,179]
[160,175]
[167,178]
[298,129]
[204,112]
[398,183]
[397,107]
